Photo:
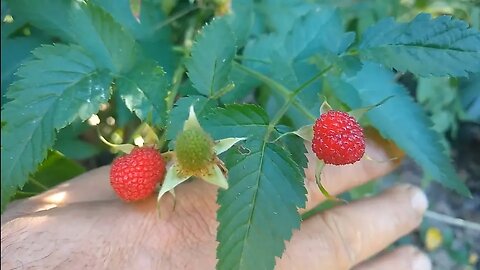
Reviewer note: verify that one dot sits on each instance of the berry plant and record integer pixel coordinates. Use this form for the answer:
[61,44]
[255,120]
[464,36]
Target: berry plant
[229,92]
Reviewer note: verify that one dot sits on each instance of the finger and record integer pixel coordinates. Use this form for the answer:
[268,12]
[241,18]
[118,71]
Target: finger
[403,258]
[346,235]
[338,179]
[93,185]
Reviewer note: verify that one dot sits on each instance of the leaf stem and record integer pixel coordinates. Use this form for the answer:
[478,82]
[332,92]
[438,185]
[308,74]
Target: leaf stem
[239,57]
[291,97]
[176,81]
[282,90]
[272,83]
[26,193]
[175,17]
[37,183]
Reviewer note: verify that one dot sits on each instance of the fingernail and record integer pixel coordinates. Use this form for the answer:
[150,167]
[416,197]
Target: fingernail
[419,200]
[421,262]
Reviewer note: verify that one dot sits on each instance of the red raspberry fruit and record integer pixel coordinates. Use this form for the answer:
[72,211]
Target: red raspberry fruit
[134,176]
[338,138]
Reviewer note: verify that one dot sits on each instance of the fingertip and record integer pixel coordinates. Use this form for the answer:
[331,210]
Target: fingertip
[401,258]
[421,262]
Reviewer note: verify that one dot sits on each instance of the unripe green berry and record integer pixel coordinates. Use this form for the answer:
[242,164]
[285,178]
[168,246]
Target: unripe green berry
[194,149]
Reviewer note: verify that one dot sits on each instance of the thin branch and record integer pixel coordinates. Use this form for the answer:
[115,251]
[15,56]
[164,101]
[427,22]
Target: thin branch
[175,17]
[452,220]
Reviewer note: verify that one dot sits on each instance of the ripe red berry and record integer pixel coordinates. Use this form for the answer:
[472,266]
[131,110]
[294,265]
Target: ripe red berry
[338,138]
[134,176]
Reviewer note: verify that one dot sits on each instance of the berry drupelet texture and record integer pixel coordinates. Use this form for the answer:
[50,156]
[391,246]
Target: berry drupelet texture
[135,176]
[338,138]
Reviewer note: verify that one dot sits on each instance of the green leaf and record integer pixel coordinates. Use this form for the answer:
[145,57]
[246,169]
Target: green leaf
[288,58]
[14,51]
[241,20]
[180,110]
[470,98]
[440,47]
[149,30]
[212,57]
[97,31]
[52,16]
[279,15]
[144,90]
[238,120]
[317,32]
[266,185]
[295,146]
[86,24]
[401,120]
[70,144]
[55,170]
[60,85]
[243,85]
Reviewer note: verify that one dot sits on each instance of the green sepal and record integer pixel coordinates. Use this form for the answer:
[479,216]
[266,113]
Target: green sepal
[192,121]
[225,144]
[216,177]
[172,179]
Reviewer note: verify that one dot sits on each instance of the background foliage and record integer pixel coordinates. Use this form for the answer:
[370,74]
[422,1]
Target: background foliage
[136,66]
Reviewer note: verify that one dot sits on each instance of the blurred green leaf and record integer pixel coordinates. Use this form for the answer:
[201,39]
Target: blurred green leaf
[144,90]
[98,32]
[52,16]
[403,121]
[425,46]
[241,21]
[14,52]
[148,30]
[69,143]
[54,170]
[86,24]
[288,58]
[470,97]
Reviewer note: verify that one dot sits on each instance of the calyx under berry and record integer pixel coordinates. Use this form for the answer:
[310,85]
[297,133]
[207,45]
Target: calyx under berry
[196,155]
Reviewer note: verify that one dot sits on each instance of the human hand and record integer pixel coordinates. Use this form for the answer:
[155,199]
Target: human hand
[82,224]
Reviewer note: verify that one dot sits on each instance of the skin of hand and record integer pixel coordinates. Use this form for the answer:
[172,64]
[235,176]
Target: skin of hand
[81,224]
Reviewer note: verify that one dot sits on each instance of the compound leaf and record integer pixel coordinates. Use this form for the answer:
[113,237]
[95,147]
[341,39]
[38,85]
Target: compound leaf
[58,86]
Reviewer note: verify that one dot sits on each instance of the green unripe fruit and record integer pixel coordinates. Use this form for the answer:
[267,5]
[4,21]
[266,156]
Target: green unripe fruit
[194,149]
